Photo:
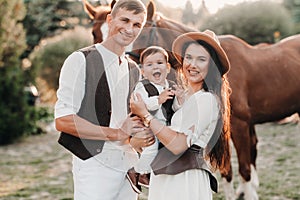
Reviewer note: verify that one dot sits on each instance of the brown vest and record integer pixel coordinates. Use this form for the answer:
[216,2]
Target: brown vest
[96,104]
[166,162]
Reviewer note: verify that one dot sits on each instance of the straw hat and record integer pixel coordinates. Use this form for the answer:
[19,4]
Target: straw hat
[207,36]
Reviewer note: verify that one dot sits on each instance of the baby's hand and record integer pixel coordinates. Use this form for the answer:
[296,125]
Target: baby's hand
[165,95]
[179,93]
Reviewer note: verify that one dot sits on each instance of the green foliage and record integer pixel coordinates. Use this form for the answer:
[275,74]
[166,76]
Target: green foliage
[188,15]
[48,60]
[12,35]
[17,118]
[293,7]
[255,22]
[39,116]
[45,18]
[14,110]
[45,114]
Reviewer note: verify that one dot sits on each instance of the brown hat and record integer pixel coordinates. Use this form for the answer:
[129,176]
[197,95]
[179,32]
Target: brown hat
[207,36]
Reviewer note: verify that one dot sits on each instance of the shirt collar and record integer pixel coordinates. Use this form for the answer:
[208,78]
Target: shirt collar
[109,55]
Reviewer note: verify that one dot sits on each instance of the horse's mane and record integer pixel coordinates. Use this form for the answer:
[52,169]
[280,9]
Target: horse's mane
[163,21]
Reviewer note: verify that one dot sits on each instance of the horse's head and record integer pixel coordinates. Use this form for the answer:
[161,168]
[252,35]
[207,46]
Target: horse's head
[159,31]
[98,15]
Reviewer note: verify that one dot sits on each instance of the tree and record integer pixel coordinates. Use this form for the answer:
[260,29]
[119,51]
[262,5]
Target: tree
[46,18]
[202,14]
[48,59]
[293,6]
[188,15]
[15,114]
[254,22]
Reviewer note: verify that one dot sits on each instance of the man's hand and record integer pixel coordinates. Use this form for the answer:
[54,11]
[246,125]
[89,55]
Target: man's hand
[130,126]
[142,139]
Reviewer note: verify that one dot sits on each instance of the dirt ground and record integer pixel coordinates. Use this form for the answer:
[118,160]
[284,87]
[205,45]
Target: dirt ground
[38,168]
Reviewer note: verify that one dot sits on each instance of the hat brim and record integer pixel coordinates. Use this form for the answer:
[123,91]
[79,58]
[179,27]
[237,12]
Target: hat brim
[193,36]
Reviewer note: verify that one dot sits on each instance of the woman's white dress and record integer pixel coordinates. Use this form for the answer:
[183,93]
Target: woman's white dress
[197,119]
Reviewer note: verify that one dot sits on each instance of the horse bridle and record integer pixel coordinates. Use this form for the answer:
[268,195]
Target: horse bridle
[153,33]
[153,38]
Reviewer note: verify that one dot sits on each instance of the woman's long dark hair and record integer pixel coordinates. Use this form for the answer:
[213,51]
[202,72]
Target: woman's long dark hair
[218,147]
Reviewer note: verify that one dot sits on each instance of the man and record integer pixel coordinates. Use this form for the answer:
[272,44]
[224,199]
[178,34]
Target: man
[92,109]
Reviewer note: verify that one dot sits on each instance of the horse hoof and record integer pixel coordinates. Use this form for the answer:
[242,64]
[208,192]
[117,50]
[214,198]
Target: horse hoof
[228,190]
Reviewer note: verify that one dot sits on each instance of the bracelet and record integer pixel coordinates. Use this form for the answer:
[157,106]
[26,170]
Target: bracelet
[147,119]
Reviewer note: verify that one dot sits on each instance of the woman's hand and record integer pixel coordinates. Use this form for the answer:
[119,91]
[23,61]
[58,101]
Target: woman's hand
[179,93]
[138,106]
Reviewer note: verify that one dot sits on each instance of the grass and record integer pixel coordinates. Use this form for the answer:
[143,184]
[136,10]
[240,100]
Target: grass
[38,168]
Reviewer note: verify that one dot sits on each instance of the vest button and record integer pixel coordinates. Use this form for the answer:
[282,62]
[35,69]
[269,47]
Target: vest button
[98,150]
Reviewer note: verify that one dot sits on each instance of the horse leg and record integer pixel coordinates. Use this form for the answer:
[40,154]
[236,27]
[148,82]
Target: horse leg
[227,181]
[241,138]
[254,140]
[253,150]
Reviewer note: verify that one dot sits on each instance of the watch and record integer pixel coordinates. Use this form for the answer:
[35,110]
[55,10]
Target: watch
[147,119]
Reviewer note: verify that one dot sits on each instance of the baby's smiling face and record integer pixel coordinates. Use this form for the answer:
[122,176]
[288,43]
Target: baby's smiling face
[155,68]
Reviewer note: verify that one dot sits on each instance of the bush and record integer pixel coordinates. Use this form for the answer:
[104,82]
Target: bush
[48,60]
[12,105]
[15,113]
[255,22]
[40,116]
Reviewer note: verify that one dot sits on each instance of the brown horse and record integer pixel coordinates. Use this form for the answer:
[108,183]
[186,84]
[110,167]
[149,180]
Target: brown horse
[264,82]
[98,15]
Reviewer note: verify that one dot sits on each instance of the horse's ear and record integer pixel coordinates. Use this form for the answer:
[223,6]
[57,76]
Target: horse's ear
[112,4]
[89,9]
[150,10]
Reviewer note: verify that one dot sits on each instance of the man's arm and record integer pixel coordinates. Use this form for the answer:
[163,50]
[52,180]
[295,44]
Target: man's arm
[79,127]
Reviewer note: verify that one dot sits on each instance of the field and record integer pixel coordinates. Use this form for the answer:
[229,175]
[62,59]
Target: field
[38,168]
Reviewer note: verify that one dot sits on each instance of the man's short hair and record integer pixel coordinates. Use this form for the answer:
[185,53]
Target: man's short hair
[131,5]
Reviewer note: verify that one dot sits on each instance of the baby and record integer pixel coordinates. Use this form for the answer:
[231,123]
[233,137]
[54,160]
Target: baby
[162,97]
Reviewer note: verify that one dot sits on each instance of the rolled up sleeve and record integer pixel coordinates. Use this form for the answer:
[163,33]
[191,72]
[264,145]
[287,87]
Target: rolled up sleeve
[71,85]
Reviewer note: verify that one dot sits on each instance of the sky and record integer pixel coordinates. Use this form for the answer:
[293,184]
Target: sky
[212,5]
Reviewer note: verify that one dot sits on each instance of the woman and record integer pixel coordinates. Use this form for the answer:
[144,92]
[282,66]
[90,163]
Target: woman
[197,141]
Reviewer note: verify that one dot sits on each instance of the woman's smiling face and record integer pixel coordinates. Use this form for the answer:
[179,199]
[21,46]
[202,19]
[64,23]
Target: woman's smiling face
[195,63]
